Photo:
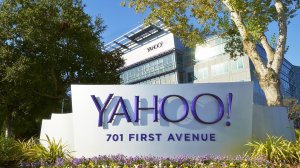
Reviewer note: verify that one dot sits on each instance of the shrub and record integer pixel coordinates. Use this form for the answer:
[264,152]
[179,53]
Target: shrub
[26,147]
[10,152]
[275,149]
[34,151]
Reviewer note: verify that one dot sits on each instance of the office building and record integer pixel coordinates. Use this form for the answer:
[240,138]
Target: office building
[153,55]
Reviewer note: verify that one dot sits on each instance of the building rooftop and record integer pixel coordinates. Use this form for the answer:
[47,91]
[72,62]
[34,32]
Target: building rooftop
[133,38]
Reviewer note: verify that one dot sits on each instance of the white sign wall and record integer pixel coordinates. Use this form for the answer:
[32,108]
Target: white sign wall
[115,135]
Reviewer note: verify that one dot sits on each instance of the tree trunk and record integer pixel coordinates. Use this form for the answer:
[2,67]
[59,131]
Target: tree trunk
[268,78]
[271,88]
[268,72]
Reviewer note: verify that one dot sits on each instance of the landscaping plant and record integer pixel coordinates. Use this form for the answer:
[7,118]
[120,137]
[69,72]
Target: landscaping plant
[276,149]
[10,152]
[273,152]
[34,151]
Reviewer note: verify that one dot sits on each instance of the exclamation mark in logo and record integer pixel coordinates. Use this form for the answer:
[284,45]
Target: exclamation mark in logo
[229,102]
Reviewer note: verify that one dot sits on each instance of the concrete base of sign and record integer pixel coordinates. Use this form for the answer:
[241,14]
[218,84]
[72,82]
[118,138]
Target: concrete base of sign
[81,131]
[271,121]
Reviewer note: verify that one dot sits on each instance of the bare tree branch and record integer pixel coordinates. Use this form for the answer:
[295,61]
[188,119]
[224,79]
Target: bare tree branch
[249,46]
[281,42]
[268,49]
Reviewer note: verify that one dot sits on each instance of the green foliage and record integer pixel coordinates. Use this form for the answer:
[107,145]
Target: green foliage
[10,152]
[27,146]
[193,20]
[234,45]
[34,151]
[276,149]
[293,108]
[45,46]
[13,152]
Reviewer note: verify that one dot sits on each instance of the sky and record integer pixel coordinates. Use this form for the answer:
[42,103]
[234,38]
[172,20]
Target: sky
[120,20]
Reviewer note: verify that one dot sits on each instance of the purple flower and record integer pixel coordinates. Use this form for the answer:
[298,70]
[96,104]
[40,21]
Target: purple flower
[25,164]
[77,161]
[59,162]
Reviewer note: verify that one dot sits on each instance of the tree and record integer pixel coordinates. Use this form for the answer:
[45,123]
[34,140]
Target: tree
[45,46]
[244,23]
[293,110]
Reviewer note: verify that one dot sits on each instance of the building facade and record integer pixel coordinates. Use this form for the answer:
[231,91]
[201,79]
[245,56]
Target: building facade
[153,55]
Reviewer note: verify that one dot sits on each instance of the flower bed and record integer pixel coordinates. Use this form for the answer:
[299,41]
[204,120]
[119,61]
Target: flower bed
[158,162]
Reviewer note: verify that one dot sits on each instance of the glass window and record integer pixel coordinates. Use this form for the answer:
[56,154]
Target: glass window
[237,64]
[202,73]
[219,69]
[154,67]
[170,78]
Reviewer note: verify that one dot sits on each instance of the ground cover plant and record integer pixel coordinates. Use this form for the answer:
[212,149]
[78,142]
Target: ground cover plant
[119,161]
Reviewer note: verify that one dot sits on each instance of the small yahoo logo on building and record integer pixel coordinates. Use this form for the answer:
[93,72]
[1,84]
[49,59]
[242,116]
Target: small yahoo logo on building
[158,45]
[159,107]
